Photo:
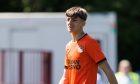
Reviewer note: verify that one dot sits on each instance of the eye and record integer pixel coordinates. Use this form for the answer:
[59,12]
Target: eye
[74,20]
[68,19]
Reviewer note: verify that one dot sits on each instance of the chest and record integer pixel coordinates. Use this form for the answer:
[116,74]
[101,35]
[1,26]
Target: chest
[76,51]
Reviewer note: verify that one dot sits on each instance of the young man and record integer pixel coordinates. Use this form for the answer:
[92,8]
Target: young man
[83,54]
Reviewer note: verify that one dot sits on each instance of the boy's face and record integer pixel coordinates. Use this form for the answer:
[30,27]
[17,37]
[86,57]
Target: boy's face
[74,24]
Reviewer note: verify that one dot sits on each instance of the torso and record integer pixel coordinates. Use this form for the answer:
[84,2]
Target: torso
[81,66]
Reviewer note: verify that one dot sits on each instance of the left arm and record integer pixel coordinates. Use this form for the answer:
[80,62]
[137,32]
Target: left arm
[109,73]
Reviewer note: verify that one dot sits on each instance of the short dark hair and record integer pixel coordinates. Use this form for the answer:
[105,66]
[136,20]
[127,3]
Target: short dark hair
[76,11]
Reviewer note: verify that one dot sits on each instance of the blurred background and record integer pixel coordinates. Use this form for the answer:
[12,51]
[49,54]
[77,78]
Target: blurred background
[127,32]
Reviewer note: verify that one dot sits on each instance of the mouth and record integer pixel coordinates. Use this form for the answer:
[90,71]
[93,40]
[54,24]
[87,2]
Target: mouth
[69,28]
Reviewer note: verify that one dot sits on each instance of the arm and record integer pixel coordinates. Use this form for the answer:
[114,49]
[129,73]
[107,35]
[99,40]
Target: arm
[64,79]
[109,73]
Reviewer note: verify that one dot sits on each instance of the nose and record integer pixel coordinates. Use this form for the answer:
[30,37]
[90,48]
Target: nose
[69,22]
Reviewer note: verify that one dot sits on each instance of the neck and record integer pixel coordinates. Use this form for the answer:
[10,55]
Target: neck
[76,37]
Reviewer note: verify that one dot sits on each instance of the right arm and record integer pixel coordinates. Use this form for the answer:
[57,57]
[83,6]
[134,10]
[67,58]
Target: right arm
[64,79]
